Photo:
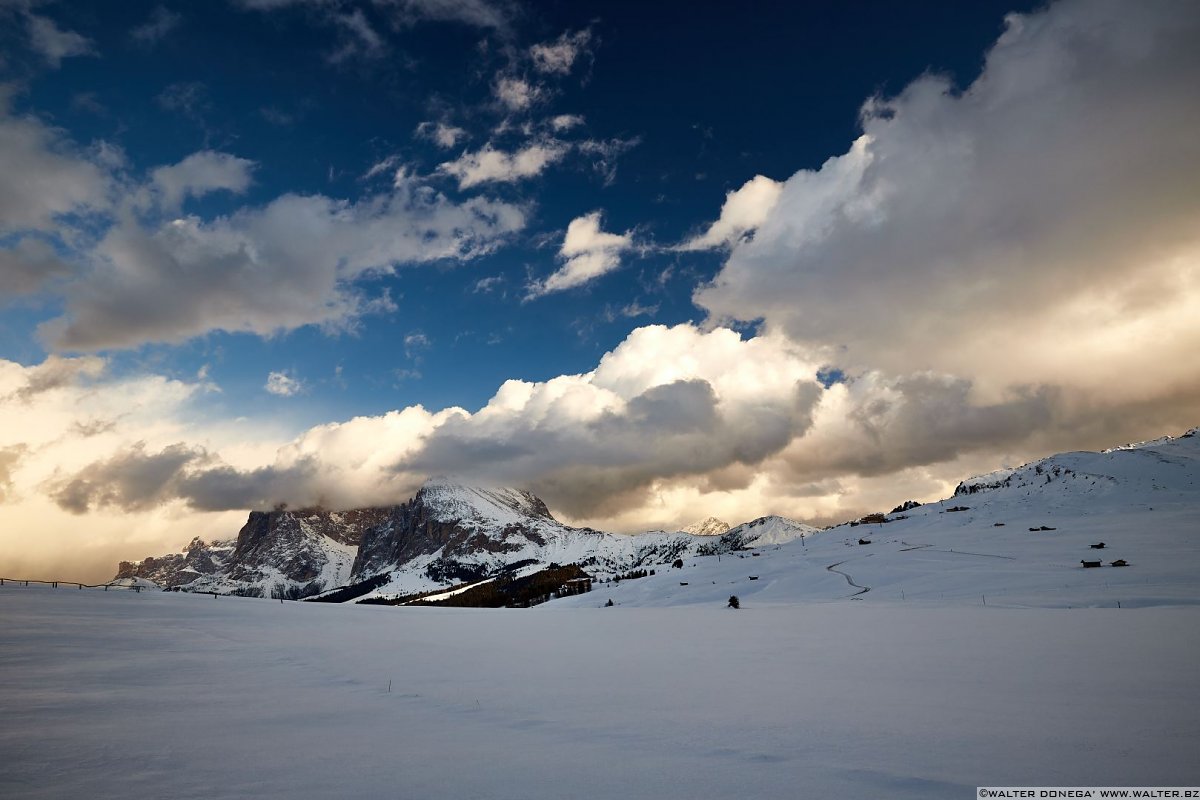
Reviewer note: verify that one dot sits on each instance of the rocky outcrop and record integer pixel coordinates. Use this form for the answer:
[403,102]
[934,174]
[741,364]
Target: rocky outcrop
[179,569]
[470,530]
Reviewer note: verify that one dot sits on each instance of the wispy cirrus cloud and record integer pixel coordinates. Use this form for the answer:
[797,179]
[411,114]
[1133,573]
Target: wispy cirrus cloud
[161,23]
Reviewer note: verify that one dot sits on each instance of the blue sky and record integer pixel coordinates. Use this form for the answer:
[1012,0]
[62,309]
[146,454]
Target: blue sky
[654,261]
[690,101]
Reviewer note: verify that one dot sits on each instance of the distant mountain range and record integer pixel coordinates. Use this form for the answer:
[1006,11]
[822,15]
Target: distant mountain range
[448,534]
[1023,525]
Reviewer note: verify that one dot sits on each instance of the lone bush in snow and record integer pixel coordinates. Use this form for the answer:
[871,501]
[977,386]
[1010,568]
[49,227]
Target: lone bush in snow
[734,602]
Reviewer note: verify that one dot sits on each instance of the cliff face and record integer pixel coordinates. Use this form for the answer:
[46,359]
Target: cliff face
[179,569]
[465,527]
[300,546]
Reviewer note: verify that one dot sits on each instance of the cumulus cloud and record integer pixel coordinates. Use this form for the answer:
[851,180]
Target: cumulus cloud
[489,165]
[587,252]
[1000,272]
[559,56]
[671,418]
[43,176]
[57,372]
[265,269]
[28,266]
[743,211]
[664,404]
[200,173]
[1036,227]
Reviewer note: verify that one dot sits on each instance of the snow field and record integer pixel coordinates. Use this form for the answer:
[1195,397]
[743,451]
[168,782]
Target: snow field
[109,694]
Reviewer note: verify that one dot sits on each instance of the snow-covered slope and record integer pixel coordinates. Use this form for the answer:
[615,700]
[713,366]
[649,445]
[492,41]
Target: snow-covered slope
[1016,537]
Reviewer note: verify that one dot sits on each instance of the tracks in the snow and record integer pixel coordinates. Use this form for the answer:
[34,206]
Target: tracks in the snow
[849,580]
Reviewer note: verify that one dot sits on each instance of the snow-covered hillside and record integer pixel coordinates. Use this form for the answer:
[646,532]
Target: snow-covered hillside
[1016,537]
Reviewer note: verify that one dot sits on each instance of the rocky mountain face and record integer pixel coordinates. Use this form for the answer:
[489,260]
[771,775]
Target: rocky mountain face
[462,533]
[198,559]
[447,534]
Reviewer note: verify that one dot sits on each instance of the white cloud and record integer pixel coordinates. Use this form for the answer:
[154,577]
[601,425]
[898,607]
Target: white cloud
[671,420]
[588,253]
[55,44]
[1036,228]
[443,135]
[559,56]
[743,211]
[42,176]
[414,343]
[264,269]
[65,414]
[283,384]
[489,165]
[201,173]
[565,122]
[517,94]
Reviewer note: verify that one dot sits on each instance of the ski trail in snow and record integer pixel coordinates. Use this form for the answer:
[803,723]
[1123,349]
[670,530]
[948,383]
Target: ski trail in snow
[846,575]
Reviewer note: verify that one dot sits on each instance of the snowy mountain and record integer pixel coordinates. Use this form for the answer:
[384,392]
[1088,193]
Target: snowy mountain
[1020,534]
[278,553]
[1016,537]
[448,534]
[771,530]
[178,569]
[709,527]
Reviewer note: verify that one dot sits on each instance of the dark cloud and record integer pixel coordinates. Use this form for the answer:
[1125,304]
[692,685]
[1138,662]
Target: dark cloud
[58,372]
[138,480]
[29,266]
[132,481]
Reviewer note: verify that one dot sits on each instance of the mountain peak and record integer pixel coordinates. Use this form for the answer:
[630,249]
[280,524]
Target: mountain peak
[709,527]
